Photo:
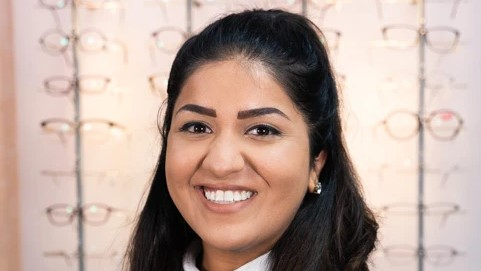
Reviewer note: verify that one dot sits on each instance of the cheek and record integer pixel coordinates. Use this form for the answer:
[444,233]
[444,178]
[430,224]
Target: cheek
[290,163]
[180,158]
[180,165]
[286,171]
[177,168]
[288,184]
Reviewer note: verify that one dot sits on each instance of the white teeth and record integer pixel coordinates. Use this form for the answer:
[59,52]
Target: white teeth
[229,196]
[226,197]
[237,196]
[219,195]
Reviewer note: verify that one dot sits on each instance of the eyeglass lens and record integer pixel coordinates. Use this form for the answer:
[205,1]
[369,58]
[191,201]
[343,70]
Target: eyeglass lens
[444,124]
[55,42]
[441,40]
[168,40]
[92,41]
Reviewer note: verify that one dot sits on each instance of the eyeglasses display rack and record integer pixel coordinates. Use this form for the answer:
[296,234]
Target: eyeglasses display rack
[406,100]
[78,140]
[422,84]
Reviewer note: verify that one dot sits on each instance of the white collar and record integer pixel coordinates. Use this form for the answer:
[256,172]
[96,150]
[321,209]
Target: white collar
[260,263]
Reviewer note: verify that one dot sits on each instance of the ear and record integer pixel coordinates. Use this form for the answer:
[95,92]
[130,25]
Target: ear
[319,162]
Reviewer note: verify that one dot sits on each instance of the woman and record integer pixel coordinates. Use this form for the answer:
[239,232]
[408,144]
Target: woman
[253,173]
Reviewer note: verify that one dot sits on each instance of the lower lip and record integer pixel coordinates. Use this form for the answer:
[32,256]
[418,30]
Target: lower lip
[224,208]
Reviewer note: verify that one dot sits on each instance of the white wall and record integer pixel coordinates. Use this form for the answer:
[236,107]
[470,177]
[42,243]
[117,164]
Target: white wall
[365,102]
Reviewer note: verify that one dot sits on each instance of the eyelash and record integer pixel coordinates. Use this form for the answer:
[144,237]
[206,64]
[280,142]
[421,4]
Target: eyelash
[269,129]
[190,127]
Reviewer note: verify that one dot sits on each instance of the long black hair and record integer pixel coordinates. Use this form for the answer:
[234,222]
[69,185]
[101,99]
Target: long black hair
[331,231]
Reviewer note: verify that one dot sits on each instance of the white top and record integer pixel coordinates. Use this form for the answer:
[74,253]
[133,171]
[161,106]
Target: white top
[260,263]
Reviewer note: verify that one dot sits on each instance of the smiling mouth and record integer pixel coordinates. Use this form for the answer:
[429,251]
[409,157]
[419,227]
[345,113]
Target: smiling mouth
[227,196]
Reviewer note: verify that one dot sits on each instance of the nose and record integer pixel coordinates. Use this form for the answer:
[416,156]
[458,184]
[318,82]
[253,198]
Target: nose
[224,156]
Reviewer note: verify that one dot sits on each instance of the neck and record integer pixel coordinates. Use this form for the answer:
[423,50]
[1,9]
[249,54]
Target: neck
[219,260]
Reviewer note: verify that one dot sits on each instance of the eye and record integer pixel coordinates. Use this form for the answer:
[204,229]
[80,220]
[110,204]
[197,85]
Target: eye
[196,128]
[263,130]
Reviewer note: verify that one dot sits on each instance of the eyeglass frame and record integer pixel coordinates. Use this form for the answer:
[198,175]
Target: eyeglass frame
[73,81]
[154,36]
[424,208]
[69,256]
[421,122]
[77,37]
[422,252]
[79,212]
[451,209]
[424,32]
[73,125]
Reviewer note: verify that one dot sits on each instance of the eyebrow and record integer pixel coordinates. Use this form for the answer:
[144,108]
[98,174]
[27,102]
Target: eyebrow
[245,114]
[257,112]
[198,109]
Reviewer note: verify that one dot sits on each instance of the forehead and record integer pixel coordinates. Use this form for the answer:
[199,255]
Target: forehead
[247,83]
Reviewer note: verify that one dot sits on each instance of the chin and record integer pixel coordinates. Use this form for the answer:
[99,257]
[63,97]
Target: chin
[238,242]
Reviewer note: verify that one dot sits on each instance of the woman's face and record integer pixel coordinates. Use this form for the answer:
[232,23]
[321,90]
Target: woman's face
[237,163]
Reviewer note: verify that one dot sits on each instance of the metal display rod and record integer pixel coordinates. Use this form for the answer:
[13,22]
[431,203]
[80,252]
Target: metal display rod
[78,139]
[189,18]
[304,7]
[421,149]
